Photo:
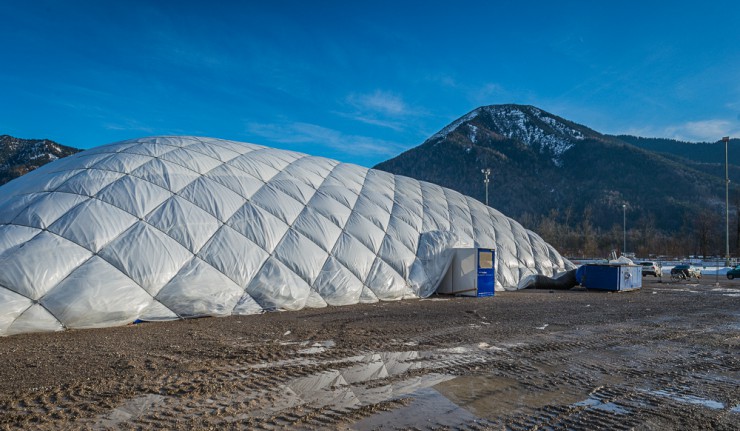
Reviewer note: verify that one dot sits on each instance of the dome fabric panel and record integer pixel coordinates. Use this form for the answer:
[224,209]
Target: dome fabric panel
[37,266]
[96,295]
[35,319]
[147,255]
[12,235]
[167,175]
[185,222]
[89,181]
[12,305]
[234,255]
[46,209]
[200,290]
[337,285]
[317,228]
[134,195]
[93,224]
[170,227]
[259,226]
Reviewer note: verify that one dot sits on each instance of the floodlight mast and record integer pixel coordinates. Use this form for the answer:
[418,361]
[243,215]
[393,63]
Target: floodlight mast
[726,140]
[624,229]
[486,180]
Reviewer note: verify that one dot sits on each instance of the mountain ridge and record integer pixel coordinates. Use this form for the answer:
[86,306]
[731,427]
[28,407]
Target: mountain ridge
[19,156]
[546,167]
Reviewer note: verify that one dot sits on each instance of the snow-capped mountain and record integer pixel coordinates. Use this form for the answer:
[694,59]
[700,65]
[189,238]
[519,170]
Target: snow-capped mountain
[544,132]
[19,156]
[543,163]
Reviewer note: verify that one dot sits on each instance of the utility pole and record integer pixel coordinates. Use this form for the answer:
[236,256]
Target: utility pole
[487,180]
[726,140]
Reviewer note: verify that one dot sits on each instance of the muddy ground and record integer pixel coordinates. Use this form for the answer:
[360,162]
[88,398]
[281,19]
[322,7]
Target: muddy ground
[664,357]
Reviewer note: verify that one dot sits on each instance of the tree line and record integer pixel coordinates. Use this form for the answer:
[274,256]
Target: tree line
[577,236]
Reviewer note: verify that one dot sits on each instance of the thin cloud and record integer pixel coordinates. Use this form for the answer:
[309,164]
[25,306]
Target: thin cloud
[129,124]
[709,130]
[692,131]
[380,102]
[381,108]
[485,93]
[306,133]
[397,126]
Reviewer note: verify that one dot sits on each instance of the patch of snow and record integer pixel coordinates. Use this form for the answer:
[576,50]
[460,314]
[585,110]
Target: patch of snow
[452,127]
[473,133]
[314,348]
[514,125]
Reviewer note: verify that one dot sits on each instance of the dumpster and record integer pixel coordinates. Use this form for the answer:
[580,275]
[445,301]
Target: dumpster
[613,277]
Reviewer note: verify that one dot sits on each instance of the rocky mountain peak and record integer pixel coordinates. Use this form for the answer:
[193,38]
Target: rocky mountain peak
[544,132]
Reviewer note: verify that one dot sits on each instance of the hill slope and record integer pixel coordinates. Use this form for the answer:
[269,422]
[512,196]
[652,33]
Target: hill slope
[703,152]
[19,156]
[546,166]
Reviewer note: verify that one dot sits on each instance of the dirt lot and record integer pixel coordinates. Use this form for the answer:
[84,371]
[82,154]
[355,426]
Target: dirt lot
[664,357]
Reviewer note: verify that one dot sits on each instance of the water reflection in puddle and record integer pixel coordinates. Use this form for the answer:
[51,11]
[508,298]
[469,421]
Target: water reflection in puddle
[130,410]
[594,402]
[494,396]
[373,378]
[429,407]
[689,399]
[352,386]
[436,398]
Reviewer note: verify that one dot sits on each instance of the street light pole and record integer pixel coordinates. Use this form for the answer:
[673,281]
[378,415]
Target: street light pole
[486,180]
[624,228]
[726,139]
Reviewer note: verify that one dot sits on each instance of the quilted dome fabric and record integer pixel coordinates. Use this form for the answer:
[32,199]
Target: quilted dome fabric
[171,227]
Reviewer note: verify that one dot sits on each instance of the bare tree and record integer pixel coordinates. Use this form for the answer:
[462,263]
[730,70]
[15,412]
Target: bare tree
[587,230]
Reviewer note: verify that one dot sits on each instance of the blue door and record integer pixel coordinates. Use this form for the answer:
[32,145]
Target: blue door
[486,271]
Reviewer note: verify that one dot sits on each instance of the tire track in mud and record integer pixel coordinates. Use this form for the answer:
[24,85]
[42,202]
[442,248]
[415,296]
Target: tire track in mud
[605,408]
[671,369]
[259,389]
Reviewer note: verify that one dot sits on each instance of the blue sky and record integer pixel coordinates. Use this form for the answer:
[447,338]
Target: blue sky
[362,81]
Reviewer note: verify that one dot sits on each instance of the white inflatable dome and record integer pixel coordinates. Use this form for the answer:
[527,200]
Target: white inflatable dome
[171,227]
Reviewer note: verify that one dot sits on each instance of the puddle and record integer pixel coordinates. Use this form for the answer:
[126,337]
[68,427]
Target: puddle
[373,378]
[593,402]
[130,410]
[428,407]
[689,399]
[493,396]
[735,409]
[347,389]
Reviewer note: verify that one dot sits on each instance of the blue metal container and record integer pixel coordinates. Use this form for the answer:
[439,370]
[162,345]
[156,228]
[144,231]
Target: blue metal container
[614,277]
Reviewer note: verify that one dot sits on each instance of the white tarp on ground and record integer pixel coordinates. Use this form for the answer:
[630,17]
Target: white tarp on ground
[170,227]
